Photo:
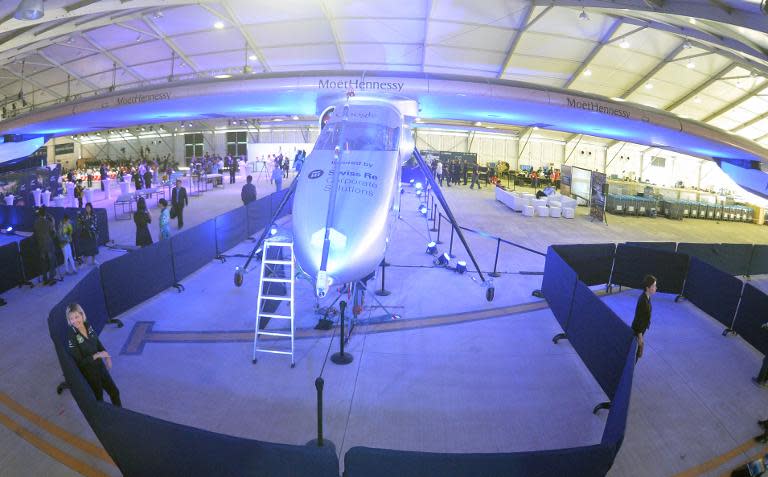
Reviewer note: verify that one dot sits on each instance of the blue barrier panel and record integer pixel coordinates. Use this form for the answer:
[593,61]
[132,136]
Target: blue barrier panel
[663,246]
[591,461]
[10,266]
[753,312]
[30,258]
[231,229]
[258,215]
[557,286]
[714,291]
[616,423]
[142,445]
[731,258]
[759,262]
[22,218]
[193,248]
[633,263]
[591,262]
[148,270]
[601,338]
[90,295]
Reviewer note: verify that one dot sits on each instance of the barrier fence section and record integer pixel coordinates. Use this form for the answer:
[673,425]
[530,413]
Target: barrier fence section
[558,286]
[192,249]
[591,262]
[758,264]
[729,257]
[662,246]
[633,263]
[752,314]
[713,291]
[10,266]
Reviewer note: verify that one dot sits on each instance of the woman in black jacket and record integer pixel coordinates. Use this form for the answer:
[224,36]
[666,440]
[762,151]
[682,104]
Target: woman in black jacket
[92,359]
[142,219]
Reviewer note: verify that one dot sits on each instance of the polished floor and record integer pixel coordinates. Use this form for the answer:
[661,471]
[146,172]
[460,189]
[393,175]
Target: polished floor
[452,373]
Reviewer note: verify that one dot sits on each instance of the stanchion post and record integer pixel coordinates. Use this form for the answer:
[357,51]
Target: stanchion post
[494,273]
[341,357]
[439,223]
[320,441]
[383,291]
[450,247]
[433,219]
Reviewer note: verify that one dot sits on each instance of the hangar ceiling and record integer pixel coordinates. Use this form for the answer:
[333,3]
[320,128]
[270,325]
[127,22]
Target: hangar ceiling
[705,60]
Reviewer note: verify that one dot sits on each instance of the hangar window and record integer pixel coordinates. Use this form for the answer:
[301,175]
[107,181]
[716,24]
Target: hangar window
[237,143]
[193,145]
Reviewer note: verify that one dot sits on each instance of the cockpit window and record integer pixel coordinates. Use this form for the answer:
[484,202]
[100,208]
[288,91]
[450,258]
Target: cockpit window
[359,137]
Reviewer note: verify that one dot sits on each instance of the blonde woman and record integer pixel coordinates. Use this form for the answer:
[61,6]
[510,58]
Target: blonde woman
[93,360]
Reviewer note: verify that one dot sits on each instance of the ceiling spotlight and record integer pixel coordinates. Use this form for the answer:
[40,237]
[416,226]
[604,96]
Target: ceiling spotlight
[70,40]
[648,85]
[587,72]
[253,58]
[29,10]
[158,15]
[189,124]
[691,65]
[138,38]
[624,44]
[583,15]
[295,117]
[478,123]
[222,76]
[687,44]
[218,25]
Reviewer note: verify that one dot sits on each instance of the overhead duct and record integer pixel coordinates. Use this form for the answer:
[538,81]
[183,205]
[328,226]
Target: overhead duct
[29,10]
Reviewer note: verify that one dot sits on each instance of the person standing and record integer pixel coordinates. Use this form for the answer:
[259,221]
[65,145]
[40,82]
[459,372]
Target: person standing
[89,177]
[642,320]
[248,193]
[103,174]
[277,176]
[90,356]
[65,242]
[475,177]
[142,219]
[439,172]
[79,193]
[147,177]
[463,172]
[233,169]
[88,243]
[178,202]
[165,220]
[43,231]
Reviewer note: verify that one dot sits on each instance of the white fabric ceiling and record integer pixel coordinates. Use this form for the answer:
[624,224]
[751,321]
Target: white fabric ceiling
[705,60]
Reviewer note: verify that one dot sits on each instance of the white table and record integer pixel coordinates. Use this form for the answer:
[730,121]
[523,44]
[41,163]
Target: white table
[88,195]
[125,186]
[9,199]
[107,184]
[46,198]
[127,179]
[71,194]
[36,193]
[58,201]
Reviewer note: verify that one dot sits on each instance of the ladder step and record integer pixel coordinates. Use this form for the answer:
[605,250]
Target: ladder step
[270,315]
[273,351]
[277,280]
[278,262]
[275,297]
[274,333]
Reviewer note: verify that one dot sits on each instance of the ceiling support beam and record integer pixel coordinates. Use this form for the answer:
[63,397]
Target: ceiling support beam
[749,123]
[68,71]
[697,90]
[112,57]
[742,99]
[592,54]
[648,76]
[231,18]
[169,43]
[334,33]
[525,23]
[428,15]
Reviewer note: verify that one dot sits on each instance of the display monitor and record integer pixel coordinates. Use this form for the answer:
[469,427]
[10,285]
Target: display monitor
[580,183]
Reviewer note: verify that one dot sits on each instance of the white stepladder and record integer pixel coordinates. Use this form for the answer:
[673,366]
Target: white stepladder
[290,283]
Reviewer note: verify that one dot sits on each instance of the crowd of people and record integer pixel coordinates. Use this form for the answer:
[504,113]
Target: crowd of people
[456,172]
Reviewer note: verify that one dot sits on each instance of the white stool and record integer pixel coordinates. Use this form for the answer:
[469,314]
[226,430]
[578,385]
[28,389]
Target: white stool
[568,213]
[125,187]
[36,193]
[519,203]
[555,212]
[107,183]
[538,202]
[127,179]
[542,211]
[71,194]
[88,195]
[528,211]
[9,199]
[555,203]
[46,198]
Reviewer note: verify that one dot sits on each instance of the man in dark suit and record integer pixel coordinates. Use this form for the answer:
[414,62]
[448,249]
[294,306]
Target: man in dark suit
[103,172]
[178,202]
[43,231]
[248,194]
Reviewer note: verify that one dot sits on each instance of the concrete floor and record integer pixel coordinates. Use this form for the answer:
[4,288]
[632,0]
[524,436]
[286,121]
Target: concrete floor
[452,374]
